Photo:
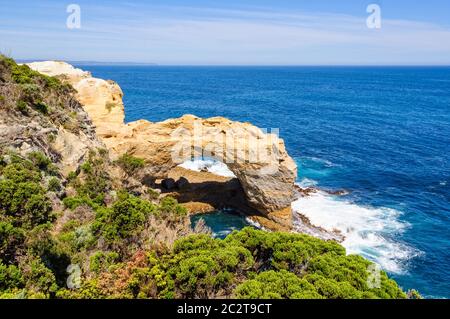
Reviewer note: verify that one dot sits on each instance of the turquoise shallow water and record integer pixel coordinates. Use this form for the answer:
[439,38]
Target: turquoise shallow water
[381,133]
[222,223]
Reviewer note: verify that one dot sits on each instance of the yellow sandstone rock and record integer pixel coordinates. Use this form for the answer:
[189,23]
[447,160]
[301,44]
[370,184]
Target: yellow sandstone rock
[258,159]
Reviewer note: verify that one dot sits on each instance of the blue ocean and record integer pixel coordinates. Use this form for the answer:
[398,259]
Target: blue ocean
[380,133]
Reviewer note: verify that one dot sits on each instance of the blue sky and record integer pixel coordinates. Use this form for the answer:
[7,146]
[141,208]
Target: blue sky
[232,32]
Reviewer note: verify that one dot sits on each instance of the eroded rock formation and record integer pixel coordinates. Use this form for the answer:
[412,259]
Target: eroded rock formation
[65,136]
[259,160]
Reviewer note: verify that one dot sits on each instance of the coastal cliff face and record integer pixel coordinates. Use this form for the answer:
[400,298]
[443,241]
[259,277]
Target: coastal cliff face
[125,239]
[259,160]
[57,125]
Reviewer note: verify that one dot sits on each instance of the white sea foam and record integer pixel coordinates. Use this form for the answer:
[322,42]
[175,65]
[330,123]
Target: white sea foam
[306,182]
[254,224]
[210,165]
[368,231]
[321,160]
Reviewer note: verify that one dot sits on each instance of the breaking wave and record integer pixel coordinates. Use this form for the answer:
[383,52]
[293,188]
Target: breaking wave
[368,231]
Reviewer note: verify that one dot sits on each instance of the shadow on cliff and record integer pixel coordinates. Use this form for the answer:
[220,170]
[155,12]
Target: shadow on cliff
[217,194]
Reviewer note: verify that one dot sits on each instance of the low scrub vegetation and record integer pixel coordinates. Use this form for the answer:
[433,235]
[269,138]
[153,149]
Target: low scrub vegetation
[130,164]
[83,235]
[114,243]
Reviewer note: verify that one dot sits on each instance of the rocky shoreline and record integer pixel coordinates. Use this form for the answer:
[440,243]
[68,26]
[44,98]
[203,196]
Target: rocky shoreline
[264,198]
[302,224]
[264,188]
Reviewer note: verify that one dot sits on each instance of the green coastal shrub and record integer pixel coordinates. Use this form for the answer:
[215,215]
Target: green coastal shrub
[130,164]
[21,173]
[77,201]
[94,182]
[39,160]
[414,294]
[31,92]
[277,285]
[25,201]
[198,267]
[40,280]
[244,265]
[11,239]
[22,198]
[71,177]
[41,243]
[77,239]
[202,273]
[100,261]
[10,277]
[22,107]
[124,219]
[286,251]
[24,75]
[153,194]
[323,264]
[41,107]
[169,206]
[54,185]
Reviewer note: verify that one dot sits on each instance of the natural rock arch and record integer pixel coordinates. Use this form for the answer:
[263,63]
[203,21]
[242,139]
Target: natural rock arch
[258,159]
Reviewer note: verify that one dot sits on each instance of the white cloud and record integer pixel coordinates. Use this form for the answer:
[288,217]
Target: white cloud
[213,36]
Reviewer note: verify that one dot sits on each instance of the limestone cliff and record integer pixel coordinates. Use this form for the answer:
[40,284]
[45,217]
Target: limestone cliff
[38,113]
[259,160]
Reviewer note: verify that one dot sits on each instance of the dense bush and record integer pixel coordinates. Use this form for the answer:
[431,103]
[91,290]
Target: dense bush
[22,198]
[100,261]
[22,107]
[199,266]
[24,75]
[39,160]
[94,182]
[277,285]
[54,185]
[41,107]
[11,238]
[124,219]
[130,164]
[247,264]
[10,277]
[169,207]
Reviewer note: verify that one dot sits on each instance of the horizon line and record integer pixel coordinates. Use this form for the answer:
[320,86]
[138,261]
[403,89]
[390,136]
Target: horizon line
[128,63]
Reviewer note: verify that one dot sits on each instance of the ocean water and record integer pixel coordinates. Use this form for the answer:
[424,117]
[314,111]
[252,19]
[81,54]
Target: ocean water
[381,133]
[222,223]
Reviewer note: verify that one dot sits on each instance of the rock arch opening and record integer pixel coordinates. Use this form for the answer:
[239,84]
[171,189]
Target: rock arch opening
[264,169]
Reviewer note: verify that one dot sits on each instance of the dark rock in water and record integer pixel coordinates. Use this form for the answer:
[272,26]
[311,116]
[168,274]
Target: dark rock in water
[303,225]
[182,183]
[304,192]
[168,183]
[341,192]
[308,191]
